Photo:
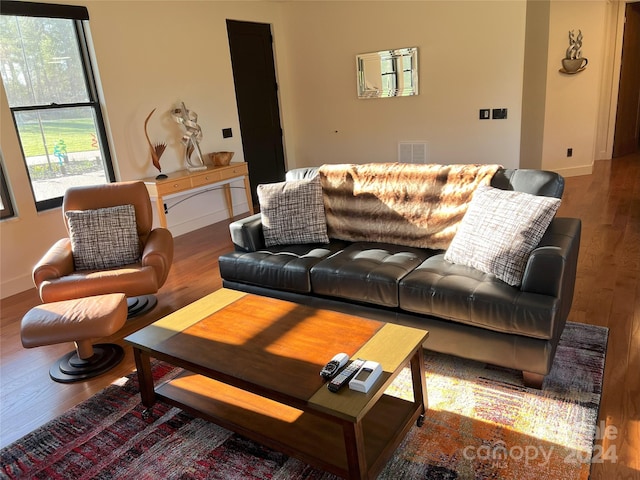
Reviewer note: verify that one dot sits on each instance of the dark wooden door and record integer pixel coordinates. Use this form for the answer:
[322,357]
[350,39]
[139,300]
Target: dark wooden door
[254,78]
[626,139]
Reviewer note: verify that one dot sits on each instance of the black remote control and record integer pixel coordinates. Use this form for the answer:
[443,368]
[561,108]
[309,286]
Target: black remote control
[331,369]
[345,375]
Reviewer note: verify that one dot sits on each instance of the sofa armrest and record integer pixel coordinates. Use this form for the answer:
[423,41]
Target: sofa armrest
[246,234]
[158,253]
[544,270]
[535,182]
[56,263]
[551,269]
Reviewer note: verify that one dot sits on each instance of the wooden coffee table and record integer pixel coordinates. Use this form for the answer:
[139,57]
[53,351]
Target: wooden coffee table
[251,364]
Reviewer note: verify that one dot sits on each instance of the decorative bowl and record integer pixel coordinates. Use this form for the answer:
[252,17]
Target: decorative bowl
[221,158]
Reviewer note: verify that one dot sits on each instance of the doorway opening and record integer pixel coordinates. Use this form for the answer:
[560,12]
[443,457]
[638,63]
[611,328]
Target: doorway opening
[626,138]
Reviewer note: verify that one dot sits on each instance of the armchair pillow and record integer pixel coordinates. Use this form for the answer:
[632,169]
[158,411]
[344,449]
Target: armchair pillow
[500,230]
[293,212]
[103,238]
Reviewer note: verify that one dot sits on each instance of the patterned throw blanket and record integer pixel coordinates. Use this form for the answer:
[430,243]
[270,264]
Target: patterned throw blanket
[403,204]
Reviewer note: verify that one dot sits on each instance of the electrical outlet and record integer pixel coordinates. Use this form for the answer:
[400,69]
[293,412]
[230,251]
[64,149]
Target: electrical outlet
[484,114]
[569,152]
[227,133]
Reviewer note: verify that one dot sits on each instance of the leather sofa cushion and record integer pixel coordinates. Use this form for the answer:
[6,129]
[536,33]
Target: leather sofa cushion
[466,295]
[366,272]
[284,267]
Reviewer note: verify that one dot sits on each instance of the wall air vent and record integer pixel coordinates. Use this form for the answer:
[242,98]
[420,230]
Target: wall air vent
[412,152]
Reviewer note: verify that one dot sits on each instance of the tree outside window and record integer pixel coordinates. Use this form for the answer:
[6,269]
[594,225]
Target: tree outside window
[45,68]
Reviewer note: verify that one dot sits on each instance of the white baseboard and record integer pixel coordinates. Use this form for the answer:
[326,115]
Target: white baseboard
[575,171]
[190,225]
[15,285]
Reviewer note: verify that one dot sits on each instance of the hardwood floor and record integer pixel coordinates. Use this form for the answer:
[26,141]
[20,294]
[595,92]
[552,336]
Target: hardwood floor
[607,293]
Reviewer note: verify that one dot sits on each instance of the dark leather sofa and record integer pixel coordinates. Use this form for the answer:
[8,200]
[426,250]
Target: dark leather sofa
[468,313]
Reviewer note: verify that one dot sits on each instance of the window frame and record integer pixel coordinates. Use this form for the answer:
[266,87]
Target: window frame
[7,210]
[79,15]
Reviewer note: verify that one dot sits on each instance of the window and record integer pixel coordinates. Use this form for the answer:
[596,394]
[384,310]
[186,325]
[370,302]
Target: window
[388,69]
[47,75]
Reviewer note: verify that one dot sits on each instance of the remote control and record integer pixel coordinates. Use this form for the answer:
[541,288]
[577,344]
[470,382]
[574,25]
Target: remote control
[366,377]
[345,375]
[334,365]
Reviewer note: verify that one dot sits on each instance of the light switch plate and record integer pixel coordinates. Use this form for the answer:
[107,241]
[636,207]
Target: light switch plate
[499,113]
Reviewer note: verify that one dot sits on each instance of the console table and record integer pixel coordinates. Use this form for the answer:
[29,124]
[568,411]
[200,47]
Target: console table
[185,180]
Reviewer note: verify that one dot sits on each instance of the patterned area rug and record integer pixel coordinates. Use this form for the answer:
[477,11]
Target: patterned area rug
[482,424]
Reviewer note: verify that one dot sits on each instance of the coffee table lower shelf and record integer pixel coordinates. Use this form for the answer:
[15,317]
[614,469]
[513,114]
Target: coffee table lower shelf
[313,438]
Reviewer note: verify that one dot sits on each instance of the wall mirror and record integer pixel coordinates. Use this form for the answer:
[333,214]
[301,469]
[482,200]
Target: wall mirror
[388,73]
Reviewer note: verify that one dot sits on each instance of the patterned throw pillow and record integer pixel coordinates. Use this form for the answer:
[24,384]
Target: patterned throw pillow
[500,230]
[103,238]
[293,212]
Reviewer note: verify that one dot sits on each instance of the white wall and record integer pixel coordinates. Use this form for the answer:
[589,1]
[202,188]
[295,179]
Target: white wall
[470,57]
[534,83]
[166,52]
[150,54]
[572,102]
[153,53]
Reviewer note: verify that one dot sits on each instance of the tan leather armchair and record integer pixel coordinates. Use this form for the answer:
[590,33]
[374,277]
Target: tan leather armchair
[56,278]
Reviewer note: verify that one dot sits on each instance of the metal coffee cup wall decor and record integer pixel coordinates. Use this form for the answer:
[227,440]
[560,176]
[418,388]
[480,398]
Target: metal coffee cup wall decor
[574,62]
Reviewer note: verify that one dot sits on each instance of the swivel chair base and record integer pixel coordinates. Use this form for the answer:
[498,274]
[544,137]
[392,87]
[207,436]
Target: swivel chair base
[71,368]
[140,305]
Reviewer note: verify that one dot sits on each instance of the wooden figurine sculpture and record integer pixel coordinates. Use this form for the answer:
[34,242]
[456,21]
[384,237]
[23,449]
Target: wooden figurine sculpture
[156,150]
